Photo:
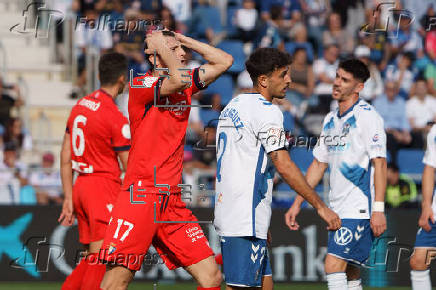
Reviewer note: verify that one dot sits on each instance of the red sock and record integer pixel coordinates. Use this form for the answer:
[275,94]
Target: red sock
[74,280]
[219,259]
[209,288]
[94,273]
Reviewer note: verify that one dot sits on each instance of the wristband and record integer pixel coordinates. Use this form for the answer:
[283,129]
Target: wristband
[379,206]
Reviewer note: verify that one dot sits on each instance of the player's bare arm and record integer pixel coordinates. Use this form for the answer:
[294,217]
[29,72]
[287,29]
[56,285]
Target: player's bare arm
[166,49]
[428,180]
[66,217]
[314,174]
[293,176]
[378,218]
[218,61]
[123,156]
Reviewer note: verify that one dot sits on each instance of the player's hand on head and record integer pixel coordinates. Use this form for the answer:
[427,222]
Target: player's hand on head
[66,218]
[378,223]
[180,37]
[426,216]
[154,40]
[330,217]
[291,217]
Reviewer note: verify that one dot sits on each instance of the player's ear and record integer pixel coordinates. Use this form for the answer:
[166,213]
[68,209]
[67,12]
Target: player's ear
[122,79]
[262,80]
[358,87]
[152,60]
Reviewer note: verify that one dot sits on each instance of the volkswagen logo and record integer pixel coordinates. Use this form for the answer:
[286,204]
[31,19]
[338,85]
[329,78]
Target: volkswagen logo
[343,236]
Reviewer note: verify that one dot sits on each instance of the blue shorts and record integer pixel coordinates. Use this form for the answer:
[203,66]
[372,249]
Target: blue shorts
[352,242]
[245,261]
[426,239]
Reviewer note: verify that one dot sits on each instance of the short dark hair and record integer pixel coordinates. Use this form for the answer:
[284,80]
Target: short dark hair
[263,61]
[357,68]
[164,33]
[110,67]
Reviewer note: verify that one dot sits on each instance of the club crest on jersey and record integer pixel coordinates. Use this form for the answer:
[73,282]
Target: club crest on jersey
[343,236]
[112,248]
[346,129]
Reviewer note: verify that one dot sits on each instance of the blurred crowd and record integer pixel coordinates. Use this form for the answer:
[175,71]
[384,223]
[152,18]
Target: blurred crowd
[397,40]
[20,182]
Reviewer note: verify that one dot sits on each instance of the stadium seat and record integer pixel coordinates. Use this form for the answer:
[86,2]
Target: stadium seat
[236,49]
[204,17]
[410,161]
[290,47]
[230,27]
[222,86]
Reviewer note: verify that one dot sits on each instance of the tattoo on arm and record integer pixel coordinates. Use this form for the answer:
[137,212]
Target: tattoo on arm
[274,156]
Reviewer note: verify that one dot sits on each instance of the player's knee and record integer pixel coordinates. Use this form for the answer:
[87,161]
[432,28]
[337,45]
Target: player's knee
[417,262]
[216,277]
[212,278]
[116,278]
[114,284]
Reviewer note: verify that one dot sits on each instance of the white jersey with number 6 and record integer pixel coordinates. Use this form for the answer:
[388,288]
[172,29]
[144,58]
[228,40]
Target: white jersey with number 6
[249,128]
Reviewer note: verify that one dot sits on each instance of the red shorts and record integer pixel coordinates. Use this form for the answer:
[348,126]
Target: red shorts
[93,199]
[134,227]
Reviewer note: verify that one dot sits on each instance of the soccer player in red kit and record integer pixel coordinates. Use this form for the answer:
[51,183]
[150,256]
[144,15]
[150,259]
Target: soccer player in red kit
[97,134]
[158,113]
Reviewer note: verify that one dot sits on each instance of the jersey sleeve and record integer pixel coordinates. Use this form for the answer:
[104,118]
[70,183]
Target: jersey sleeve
[320,151]
[373,134]
[121,134]
[145,89]
[430,153]
[270,131]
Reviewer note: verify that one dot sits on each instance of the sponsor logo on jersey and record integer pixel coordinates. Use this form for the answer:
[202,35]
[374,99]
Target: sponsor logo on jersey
[148,82]
[343,236]
[375,138]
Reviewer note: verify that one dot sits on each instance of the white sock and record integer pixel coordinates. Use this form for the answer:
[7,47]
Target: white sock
[337,281]
[355,284]
[420,280]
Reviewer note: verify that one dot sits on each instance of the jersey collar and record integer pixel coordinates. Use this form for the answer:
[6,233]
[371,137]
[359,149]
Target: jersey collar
[104,93]
[349,109]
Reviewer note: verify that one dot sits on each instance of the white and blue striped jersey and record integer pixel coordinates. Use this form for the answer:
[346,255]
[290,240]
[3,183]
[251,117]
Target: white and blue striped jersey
[347,143]
[430,157]
[249,128]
